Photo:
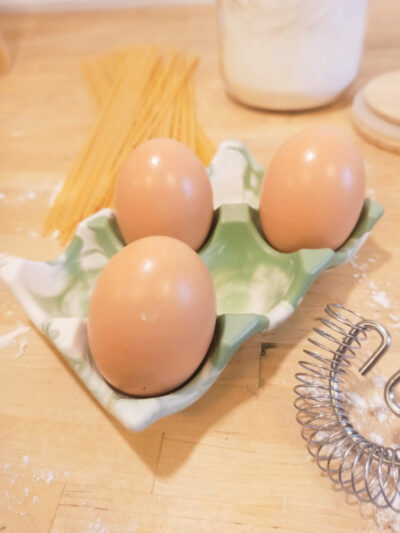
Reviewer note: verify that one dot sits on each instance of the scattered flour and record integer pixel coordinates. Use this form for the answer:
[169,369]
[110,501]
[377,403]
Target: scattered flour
[355,400]
[28,195]
[21,496]
[360,269]
[23,344]
[25,459]
[396,320]
[382,416]
[386,520]
[380,297]
[50,477]
[8,338]
[375,438]
[358,266]
[97,527]
[379,380]
[2,195]
[365,408]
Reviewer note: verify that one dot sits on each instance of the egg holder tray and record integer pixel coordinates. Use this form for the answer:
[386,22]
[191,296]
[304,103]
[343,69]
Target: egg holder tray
[257,287]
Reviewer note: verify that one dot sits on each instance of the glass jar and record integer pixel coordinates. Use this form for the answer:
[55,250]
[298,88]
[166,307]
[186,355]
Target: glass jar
[290,54]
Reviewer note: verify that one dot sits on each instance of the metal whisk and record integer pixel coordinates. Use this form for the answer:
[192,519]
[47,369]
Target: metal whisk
[368,470]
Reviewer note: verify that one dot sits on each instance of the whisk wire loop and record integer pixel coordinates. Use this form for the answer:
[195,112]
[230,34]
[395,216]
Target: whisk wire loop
[367,470]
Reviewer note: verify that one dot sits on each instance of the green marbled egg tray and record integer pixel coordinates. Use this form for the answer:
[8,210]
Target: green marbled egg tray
[257,287]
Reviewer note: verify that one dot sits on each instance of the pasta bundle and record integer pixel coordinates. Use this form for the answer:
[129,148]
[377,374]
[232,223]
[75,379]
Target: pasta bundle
[141,94]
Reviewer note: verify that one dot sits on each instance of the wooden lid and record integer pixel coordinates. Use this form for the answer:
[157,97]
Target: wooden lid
[382,95]
[373,127]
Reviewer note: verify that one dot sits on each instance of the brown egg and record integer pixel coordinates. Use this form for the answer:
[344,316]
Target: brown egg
[163,189]
[313,191]
[151,316]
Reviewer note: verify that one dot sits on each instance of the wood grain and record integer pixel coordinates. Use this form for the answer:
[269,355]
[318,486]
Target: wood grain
[235,460]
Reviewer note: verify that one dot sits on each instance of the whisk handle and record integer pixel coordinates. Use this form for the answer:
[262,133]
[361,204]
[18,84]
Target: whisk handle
[384,345]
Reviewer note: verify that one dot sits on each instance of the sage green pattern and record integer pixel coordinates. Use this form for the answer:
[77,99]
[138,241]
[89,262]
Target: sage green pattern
[257,287]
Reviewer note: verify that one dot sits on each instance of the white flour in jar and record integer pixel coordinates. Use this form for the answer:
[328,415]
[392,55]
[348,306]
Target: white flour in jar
[290,54]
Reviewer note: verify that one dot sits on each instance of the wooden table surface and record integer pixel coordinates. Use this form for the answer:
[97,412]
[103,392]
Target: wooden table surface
[235,460]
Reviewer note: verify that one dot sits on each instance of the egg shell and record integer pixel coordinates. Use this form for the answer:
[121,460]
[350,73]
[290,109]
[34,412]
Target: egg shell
[163,189]
[313,191]
[152,316]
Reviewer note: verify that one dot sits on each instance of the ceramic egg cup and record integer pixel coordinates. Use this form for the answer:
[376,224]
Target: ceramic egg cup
[257,287]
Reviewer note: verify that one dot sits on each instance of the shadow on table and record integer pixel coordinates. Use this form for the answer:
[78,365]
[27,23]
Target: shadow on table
[181,432]
[190,425]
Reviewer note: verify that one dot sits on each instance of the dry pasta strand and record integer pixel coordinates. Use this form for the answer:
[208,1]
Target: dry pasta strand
[140,94]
